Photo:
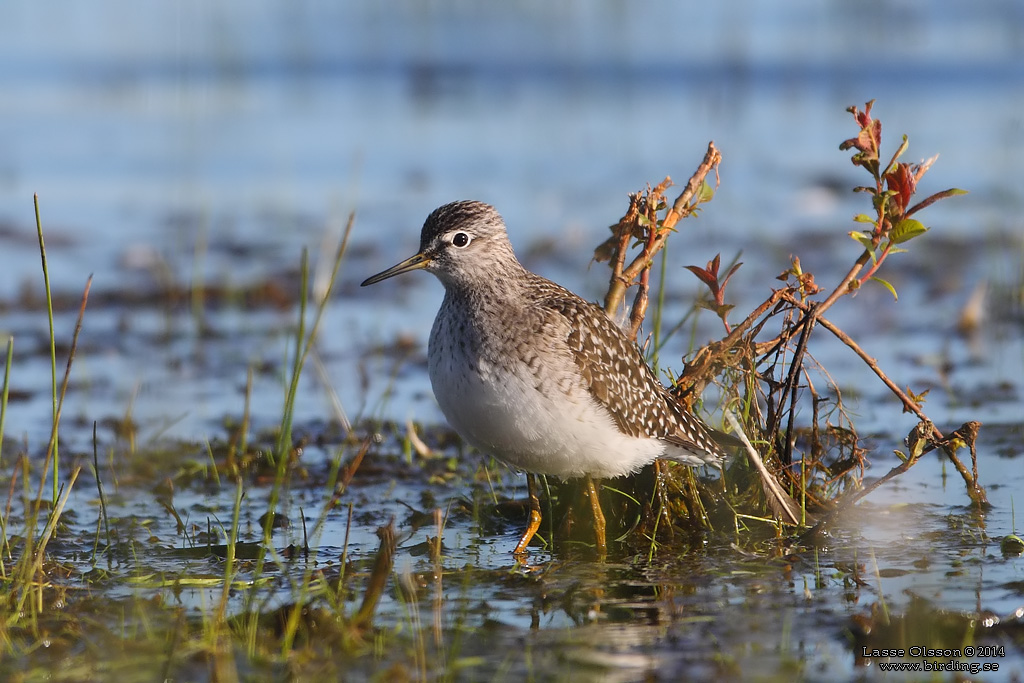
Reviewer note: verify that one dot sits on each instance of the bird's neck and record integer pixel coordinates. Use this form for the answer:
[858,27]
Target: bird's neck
[503,294]
[502,279]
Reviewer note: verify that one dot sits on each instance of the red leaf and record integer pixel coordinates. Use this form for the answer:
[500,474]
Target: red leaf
[903,182]
[732,271]
[868,139]
[708,278]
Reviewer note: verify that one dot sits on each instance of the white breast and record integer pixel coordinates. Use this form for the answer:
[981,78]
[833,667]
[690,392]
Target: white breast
[536,419]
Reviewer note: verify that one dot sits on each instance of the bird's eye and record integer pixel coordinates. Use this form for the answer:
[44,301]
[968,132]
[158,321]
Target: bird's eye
[460,240]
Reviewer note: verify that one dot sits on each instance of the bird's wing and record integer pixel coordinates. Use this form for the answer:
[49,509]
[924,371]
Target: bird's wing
[614,370]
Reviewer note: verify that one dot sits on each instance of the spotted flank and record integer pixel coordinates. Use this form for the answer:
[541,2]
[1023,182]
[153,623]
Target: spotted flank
[618,377]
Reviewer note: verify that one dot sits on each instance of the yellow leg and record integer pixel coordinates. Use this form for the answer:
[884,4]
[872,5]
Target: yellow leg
[599,523]
[534,523]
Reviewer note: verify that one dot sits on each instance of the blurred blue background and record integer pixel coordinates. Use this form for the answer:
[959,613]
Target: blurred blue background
[122,114]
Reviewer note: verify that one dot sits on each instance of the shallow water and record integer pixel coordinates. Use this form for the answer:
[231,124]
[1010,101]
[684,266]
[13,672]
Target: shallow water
[194,148]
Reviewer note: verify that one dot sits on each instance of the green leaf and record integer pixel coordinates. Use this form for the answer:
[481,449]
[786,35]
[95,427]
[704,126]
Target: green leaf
[899,152]
[951,192]
[863,218]
[887,285]
[706,194]
[906,230]
[864,238]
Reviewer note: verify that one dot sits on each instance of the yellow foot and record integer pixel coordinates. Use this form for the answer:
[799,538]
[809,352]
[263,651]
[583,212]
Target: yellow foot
[531,529]
[534,523]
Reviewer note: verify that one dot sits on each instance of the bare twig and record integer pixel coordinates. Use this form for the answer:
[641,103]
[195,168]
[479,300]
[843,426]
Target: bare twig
[696,373]
[967,433]
[631,225]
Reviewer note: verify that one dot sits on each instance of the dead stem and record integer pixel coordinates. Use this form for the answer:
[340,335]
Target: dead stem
[968,432]
[696,374]
[781,503]
[379,576]
[641,222]
[975,490]
[792,387]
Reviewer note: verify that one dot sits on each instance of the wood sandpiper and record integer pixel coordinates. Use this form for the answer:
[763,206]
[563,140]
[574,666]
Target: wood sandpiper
[529,372]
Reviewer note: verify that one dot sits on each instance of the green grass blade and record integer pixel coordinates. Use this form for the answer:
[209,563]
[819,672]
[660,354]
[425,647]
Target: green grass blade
[53,347]
[3,395]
